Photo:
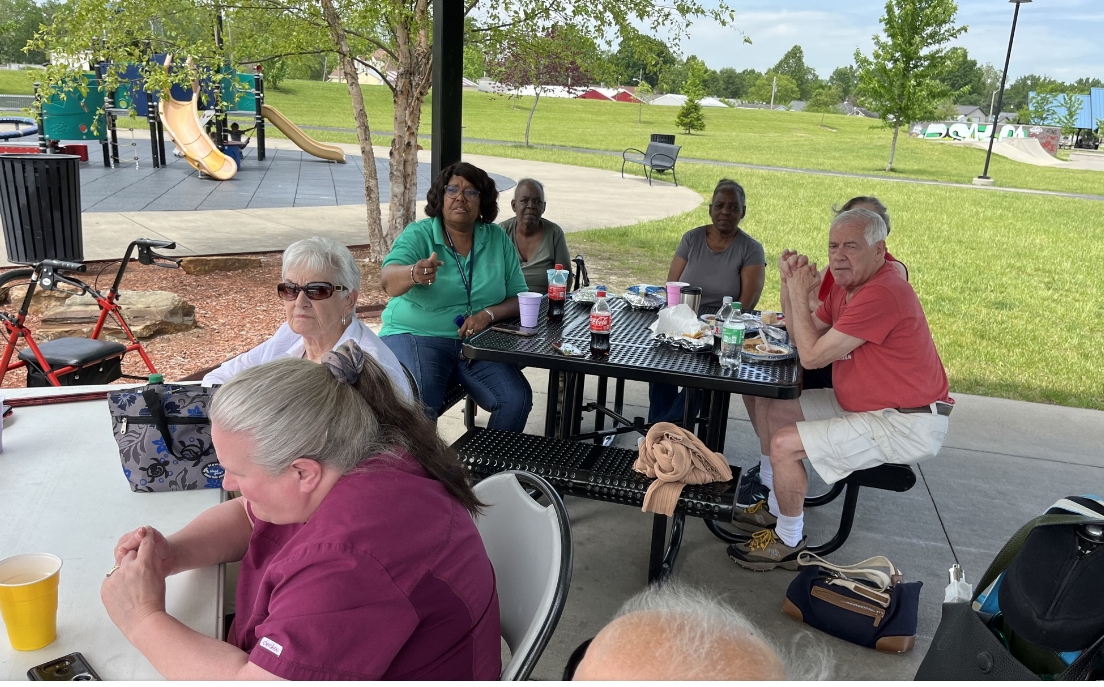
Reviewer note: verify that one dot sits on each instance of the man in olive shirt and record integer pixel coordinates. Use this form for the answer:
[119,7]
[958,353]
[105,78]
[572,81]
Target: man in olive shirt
[540,244]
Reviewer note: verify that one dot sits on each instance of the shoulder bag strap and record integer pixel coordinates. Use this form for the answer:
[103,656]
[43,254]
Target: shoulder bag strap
[868,570]
[1010,549]
[1082,666]
[157,413]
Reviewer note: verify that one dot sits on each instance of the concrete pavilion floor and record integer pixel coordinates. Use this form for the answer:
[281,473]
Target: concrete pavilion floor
[1003,463]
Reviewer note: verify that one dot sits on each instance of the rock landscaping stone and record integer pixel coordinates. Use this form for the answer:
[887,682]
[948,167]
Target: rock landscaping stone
[41,301]
[217,263]
[148,313]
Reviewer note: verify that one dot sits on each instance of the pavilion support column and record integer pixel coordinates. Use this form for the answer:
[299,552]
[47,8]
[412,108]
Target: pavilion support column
[448,74]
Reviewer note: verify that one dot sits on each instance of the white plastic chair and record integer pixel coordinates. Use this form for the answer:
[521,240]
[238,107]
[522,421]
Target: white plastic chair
[530,547]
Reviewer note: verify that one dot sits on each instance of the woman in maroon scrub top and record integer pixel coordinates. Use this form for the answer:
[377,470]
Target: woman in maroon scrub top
[359,556]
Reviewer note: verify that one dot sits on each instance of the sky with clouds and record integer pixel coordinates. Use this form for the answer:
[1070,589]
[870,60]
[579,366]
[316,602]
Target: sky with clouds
[1063,39]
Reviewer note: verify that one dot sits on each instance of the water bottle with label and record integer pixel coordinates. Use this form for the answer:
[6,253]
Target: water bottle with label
[732,339]
[718,323]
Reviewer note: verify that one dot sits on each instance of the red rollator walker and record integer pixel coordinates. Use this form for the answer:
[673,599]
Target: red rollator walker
[74,361]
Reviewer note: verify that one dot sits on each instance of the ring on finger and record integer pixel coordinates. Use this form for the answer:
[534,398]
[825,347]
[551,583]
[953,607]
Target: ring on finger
[113,569]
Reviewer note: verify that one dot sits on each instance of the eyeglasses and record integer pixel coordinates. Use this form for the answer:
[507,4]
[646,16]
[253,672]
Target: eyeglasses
[315,290]
[454,192]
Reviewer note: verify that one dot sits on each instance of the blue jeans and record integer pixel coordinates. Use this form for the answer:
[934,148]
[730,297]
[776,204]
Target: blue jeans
[667,404]
[435,363]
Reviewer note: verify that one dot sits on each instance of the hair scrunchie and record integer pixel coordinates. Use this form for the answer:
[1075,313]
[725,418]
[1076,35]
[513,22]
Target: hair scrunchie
[344,362]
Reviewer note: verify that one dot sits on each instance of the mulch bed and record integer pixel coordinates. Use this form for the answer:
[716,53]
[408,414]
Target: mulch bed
[235,311]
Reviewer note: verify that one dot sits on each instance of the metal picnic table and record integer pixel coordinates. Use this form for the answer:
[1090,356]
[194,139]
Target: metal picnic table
[606,473]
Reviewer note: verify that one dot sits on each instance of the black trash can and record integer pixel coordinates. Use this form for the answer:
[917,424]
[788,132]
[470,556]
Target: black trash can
[40,207]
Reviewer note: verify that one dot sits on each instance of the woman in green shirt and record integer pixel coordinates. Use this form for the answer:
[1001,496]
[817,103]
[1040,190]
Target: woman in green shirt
[449,277]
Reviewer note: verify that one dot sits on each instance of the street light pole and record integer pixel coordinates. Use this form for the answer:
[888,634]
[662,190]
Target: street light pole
[984,179]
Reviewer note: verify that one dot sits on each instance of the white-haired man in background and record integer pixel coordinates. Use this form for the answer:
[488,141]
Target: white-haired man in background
[890,401]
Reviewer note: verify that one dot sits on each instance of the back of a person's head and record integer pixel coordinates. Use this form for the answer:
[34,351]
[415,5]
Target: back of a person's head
[676,632]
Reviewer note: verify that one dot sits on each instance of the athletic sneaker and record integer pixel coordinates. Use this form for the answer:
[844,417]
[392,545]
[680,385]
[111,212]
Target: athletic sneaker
[751,489]
[765,551]
[754,518]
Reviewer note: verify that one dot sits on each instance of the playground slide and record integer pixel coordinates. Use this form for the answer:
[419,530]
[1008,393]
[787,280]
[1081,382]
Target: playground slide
[181,120]
[306,143]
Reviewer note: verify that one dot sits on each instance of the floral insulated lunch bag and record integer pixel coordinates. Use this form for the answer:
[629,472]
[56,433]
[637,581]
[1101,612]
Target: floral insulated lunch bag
[164,437]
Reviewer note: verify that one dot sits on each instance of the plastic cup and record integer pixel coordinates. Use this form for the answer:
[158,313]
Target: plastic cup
[529,303]
[29,599]
[674,289]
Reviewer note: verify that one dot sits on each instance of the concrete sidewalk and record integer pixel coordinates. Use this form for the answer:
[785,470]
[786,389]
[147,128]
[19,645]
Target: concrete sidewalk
[1003,463]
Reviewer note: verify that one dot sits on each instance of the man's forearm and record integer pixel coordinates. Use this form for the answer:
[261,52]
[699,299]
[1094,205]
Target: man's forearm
[799,322]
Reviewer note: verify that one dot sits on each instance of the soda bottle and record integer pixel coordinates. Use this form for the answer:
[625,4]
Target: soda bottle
[601,322]
[718,323]
[557,294]
[732,339]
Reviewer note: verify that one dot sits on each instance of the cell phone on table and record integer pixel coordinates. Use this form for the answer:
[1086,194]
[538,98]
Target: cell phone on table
[515,329]
[71,667]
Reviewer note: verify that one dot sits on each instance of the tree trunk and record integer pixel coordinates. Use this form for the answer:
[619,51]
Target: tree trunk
[529,122]
[412,83]
[379,243]
[893,148]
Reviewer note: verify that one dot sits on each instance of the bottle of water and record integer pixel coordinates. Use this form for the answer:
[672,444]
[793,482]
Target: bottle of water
[732,339]
[718,323]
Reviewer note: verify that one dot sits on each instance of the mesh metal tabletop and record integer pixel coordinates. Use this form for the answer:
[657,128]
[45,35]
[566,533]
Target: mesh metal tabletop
[633,354]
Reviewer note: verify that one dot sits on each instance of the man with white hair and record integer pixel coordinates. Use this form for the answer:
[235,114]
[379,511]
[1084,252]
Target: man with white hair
[890,401]
[675,632]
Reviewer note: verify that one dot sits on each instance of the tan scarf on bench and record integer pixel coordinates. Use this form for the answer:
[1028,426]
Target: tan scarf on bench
[675,458]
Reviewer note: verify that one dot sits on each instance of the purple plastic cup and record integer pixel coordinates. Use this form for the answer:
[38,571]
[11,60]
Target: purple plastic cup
[674,292]
[529,303]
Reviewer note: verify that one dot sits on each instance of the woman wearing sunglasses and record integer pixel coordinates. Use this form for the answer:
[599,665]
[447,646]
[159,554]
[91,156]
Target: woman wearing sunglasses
[319,283]
[449,277]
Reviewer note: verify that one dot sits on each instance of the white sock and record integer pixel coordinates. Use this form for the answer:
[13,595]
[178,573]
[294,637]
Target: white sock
[772,504]
[789,529]
[766,472]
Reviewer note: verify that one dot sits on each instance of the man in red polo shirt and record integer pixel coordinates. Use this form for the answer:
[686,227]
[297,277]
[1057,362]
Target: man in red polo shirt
[890,403]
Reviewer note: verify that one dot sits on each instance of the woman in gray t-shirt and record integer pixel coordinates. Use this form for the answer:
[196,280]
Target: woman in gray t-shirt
[723,261]
[720,257]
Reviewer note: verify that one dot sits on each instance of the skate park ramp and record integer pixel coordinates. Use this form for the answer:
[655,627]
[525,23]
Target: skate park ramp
[305,142]
[1026,150]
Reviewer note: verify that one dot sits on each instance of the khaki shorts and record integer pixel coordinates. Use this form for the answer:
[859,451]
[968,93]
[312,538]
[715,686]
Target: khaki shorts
[839,443]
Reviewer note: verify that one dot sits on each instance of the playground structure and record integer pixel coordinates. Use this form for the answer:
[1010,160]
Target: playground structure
[93,115]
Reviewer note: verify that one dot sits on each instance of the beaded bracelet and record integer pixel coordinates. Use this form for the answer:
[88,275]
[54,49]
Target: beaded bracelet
[412,275]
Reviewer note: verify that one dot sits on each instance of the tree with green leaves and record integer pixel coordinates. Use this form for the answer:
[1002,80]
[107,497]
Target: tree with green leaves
[783,92]
[1040,109]
[1017,94]
[641,57]
[824,101]
[902,79]
[1071,104]
[734,84]
[399,31]
[19,20]
[793,65]
[643,90]
[846,79]
[690,116]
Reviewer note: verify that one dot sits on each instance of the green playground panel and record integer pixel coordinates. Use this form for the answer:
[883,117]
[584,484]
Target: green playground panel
[240,100]
[71,116]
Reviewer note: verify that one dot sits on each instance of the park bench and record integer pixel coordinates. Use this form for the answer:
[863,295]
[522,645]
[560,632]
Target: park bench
[601,473]
[658,157]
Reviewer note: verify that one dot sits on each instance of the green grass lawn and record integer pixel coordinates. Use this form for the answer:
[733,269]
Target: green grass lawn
[779,139]
[1008,281]
[18,82]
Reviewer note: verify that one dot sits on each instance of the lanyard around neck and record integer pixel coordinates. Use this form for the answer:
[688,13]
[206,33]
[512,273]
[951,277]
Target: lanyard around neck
[466,278]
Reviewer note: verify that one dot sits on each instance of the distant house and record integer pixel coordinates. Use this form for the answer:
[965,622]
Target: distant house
[970,113]
[797,105]
[677,100]
[624,95]
[855,111]
[596,93]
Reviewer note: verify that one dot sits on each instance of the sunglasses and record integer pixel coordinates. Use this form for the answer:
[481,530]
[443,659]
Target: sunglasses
[315,290]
